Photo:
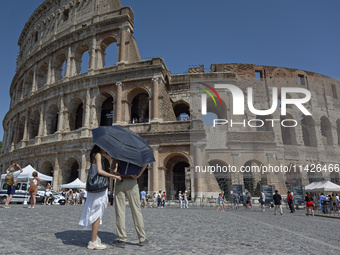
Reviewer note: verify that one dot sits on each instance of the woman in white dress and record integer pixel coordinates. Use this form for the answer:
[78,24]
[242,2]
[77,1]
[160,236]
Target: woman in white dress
[96,203]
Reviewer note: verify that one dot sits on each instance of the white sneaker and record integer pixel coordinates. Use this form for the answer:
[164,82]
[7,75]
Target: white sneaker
[99,240]
[96,245]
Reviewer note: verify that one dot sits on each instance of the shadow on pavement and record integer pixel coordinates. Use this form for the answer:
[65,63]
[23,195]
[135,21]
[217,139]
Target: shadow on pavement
[82,237]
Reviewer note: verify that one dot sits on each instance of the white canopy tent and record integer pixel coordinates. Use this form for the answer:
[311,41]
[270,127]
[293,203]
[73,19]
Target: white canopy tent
[325,186]
[27,174]
[76,184]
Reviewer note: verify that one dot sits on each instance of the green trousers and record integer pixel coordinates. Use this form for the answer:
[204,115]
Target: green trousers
[128,188]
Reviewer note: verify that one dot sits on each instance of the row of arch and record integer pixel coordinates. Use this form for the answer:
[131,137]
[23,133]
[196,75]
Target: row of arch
[29,125]
[65,63]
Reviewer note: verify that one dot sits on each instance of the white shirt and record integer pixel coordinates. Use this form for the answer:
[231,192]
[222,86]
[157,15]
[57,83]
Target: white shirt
[263,196]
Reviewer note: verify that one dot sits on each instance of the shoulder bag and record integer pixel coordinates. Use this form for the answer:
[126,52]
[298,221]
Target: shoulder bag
[96,183]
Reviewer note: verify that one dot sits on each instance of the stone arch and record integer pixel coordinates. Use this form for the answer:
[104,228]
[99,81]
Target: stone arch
[52,119]
[47,169]
[326,131]
[106,114]
[70,170]
[109,45]
[76,114]
[29,83]
[251,180]
[34,124]
[214,111]
[41,76]
[59,67]
[139,105]
[223,178]
[181,110]
[177,175]
[81,59]
[308,131]
[21,129]
[288,134]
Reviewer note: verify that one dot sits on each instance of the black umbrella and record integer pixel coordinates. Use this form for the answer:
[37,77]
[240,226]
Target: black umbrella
[123,144]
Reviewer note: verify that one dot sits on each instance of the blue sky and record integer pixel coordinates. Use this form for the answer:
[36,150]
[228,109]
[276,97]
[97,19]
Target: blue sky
[297,34]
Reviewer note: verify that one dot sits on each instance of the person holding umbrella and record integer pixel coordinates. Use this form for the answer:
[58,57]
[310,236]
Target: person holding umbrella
[96,203]
[132,154]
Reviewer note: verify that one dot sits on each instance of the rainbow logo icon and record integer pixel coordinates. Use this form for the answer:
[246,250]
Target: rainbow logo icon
[204,97]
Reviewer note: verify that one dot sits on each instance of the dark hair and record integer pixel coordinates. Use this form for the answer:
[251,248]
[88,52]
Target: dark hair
[34,174]
[93,152]
[308,195]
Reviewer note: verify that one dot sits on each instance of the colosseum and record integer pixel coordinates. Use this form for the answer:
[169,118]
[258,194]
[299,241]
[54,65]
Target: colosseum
[56,102]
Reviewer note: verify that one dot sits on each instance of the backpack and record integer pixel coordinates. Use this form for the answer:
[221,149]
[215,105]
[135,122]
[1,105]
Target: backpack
[9,179]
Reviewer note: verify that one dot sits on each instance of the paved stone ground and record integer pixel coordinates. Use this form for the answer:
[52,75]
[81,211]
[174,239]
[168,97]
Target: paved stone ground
[54,230]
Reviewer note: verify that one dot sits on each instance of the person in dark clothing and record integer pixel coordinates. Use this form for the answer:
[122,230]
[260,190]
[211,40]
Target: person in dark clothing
[309,204]
[277,202]
[290,200]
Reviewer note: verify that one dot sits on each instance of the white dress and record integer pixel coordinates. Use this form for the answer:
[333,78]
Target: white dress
[94,207]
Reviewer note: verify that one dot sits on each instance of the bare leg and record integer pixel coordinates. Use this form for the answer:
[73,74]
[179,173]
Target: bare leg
[95,227]
[8,200]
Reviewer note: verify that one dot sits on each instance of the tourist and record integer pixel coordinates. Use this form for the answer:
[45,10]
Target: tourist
[290,200]
[47,194]
[322,198]
[309,204]
[33,190]
[159,198]
[128,188]
[262,200]
[84,197]
[185,198]
[10,181]
[154,199]
[236,200]
[69,196]
[336,202]
[223,202]
[96,202]
[247,199]
[251,203]
[163,199]
[180,198]
[277,202]
[142,198]
[220,201]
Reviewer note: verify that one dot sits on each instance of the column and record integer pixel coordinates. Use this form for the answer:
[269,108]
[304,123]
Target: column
[49,71]
[25,136]
[198,180]
[41,122]
[69,70]
[155,94]
[56,174]
[119,86]
[124,33]
[93,65]
[61,118]
[154,169]
[34,83]
[87,109]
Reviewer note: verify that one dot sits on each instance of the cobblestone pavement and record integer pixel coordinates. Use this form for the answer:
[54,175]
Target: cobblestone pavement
[54,230]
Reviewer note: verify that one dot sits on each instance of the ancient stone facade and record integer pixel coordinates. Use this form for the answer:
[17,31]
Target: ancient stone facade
[55,104]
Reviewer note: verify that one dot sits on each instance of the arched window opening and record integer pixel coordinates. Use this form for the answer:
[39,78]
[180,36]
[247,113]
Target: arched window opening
[223,178]
[288,133]
[82,59]
[70,171]
[47,169]
[326,131]
[34,125]
[182,112]
[140,108]
[52,120]
[308,131]
[143,181]
[29,83]
[60,67]
[109,52]
[251,182]
[21,129]
[208,119]
[79,117]
[42,76]
[107,113]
